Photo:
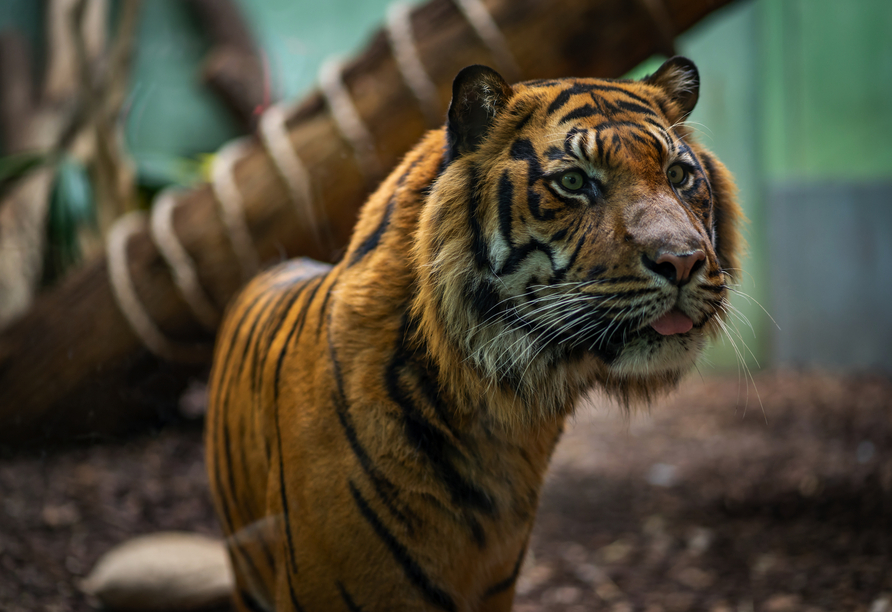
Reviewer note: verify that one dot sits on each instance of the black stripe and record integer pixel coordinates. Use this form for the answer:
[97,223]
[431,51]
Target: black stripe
[273,318]
[524,120]
[289,538]
[324,305]
[233,335]
[477,532]
[658,144]
[595,273]
[384,488]
[506,205]
[559,235]
[229,525]
[632,107]
[616,142]
[599,146]
[270,329]
[348,601]
[686,149]
[428,378]
[623,279]
[534,203]
[563,97]
[283,495]
[372,240]
[554,153]
[484,298]
[478,244]
[519,254]
[569,138]
[620,90]
[413,571]
[508,582]
[583,112]
[230,471]
[523,150]
[427,438]
[295,332]
[637,137]
[227,516]
[249,602]
[560,273]
[612,125]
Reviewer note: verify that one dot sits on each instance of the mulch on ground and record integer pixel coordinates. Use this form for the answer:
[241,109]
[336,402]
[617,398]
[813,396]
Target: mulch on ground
[707,501]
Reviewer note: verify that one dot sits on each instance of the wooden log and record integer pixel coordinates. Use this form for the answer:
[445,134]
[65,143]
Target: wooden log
[233,68]
[73,365]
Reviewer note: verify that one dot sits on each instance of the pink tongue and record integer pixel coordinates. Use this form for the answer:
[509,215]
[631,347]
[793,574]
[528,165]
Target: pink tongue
[673,322]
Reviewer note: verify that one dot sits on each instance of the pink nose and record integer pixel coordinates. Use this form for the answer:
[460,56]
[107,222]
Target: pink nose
[675,268]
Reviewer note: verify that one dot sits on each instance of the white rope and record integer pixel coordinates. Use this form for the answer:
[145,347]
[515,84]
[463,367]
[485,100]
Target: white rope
[232,205]
[128,301]
[275,137]
[180,262]
[399,31]
[347,118]
[479,17]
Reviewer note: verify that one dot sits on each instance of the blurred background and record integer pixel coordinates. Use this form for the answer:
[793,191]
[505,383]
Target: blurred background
[796,100]
[714,501]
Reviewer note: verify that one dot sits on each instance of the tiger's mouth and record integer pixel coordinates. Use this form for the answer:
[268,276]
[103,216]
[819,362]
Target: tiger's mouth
[672,323]
[667,330]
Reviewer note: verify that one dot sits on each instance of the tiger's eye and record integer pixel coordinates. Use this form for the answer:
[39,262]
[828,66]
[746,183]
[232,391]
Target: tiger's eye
[676,174]
[572,180]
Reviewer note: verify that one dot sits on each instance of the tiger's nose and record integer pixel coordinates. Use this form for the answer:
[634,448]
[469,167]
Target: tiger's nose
[674,267]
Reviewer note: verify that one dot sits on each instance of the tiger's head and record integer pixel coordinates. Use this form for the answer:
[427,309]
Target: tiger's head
[577,235]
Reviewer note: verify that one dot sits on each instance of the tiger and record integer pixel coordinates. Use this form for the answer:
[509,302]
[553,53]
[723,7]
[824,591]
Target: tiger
[379,429]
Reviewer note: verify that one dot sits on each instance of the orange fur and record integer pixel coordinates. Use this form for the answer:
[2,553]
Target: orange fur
[379,430]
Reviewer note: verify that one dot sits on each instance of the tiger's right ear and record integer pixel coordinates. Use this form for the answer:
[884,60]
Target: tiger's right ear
[478,94]
[679,79]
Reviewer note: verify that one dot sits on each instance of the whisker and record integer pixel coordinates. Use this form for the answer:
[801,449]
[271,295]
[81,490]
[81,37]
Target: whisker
[753,300]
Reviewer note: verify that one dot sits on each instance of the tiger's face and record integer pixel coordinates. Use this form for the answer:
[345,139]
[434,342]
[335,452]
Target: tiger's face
[600,236]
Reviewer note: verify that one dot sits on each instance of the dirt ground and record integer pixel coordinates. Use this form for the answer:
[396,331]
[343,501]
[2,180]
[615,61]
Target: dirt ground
[709,502]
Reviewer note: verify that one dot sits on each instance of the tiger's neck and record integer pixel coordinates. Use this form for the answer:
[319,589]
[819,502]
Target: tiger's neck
[388,297]
[410,271]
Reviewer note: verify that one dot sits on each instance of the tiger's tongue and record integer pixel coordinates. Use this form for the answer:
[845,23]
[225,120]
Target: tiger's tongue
[673,322]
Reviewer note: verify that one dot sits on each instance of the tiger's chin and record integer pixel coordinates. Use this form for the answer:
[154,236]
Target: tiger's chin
[648,365]
[650,354]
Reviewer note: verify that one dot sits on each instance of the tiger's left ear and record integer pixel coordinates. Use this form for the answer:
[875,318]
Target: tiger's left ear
[478,94]
[679,79]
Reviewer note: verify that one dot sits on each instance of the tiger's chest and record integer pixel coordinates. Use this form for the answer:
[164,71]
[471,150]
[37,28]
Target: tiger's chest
[379,470]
